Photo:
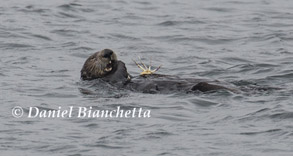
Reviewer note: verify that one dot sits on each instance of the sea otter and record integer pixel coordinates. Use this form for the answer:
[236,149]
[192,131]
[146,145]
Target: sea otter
[105,65]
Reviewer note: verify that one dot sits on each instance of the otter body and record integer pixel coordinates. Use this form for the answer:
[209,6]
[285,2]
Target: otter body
[156,83]
[104,65]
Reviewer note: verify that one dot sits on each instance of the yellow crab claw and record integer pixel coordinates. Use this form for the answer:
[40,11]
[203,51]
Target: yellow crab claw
[146,70]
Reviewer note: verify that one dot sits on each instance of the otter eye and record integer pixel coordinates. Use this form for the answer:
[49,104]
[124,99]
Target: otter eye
[108,53]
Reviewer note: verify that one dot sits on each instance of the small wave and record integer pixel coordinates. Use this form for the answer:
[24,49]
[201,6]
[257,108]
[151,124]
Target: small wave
[120,36]
[76,154]
[236,60]
[14,46]
[268,113]
[54,75]
[206,40]
[261,132]
[282,76]
[92,125]
[169,23]
[56,148]
[158,134]
[83,48]
[256,115]
[283,115]
[13,34]
[55,95]
[68,33]
[238,2]
[80,55]
[142,2]
[174,117]
[68,15]
[152,52]
[69,6]
[42,37]
[33,9]
[253,68]
[107,146]
[202,102]
[148,8]
[217,9]
[59,71]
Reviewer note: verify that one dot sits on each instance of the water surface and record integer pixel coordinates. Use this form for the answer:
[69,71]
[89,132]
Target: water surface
[44,45]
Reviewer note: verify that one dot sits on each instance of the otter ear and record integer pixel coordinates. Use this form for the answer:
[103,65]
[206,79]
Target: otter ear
[93,57]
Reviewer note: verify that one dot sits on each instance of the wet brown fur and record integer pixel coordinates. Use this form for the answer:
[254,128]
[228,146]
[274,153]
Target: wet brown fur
[94,67]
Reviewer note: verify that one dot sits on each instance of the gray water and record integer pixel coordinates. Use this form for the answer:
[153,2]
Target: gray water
[44,44]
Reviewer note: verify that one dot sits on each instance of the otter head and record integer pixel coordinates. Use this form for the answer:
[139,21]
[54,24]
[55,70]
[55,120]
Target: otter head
[99,65]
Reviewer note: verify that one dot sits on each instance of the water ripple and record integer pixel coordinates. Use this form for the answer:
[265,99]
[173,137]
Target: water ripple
[242,44]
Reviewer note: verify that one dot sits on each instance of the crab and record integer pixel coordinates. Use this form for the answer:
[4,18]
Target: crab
[146,70]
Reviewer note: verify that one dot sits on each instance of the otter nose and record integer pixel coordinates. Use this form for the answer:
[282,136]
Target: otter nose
[108,53]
